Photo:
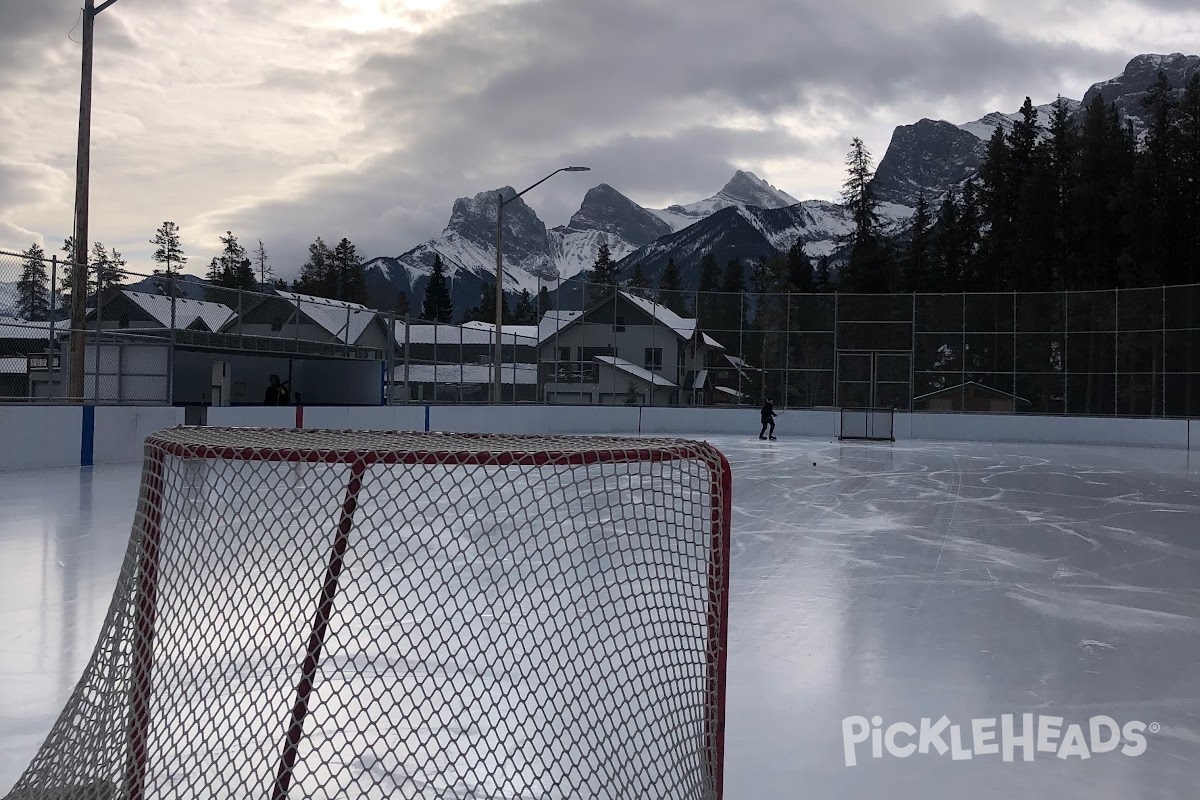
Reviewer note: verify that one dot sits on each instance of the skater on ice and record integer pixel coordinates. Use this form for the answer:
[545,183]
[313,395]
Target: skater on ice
[768,420]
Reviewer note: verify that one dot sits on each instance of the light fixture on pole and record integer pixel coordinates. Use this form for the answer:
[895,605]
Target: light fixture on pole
[501,202]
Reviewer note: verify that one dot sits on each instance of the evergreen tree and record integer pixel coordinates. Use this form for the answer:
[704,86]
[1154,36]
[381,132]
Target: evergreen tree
[266,275]
[167,249]
[1187,266]
[1106,162]
[670,288]
[437,306]
[317,276]
[972,279]
[915,271]
[525,313]
[1062,148]
[799,269]
[638,283]
[604,270]
[347,272]
[33,286]
[544,302]
[823,279]
[109,265]
[708,302]
[948,251]
[232,269]
[402,307]
[485,311]
[869,267]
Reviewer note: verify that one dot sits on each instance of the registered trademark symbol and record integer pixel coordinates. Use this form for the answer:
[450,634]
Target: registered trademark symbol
[1155,727]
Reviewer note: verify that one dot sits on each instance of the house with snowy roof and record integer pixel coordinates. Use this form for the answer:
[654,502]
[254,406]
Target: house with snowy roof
[124,309]
[288,315]
[628,349]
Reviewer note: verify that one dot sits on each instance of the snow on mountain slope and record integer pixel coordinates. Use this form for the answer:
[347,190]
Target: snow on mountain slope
[575,251]
[986,125]
[743,189]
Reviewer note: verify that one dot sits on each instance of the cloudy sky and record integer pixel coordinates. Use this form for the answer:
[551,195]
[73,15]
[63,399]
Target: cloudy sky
[282,120]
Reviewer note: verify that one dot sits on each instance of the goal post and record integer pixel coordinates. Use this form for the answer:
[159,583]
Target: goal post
[314,613]
[869,424]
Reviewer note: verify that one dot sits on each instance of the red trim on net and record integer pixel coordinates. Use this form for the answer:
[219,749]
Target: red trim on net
[718,616]
[143,627]
[500,458]
[316,639]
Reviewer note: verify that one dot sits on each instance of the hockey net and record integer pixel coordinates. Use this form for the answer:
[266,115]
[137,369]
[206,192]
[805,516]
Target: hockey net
[327,614]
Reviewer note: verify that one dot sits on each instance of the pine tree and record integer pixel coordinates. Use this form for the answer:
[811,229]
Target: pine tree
[266,275]
[317,276]
[544,302]
[437,306]
[33,287]
[915,271]
[347,272]
[485,310]
[799,269]
[109,265]
[869,267]
[402,307]
[604,269]
[638,283]
[670,288]
[708,302]
[1187,268]
[823,280]
[167,249]
[233,268]
[969,240]
[947,246]
[524,313]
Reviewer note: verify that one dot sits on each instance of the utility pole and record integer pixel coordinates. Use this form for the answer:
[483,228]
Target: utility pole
[82,169]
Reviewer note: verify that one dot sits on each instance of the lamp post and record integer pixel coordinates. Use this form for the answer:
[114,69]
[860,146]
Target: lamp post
[82,170]
[500,204]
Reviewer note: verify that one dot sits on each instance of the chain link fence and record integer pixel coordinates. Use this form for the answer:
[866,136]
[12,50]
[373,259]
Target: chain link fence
[173,339]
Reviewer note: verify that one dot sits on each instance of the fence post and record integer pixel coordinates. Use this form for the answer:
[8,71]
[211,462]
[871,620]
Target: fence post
[171,289]
[407,340]
[912,358]
[1116,348]
[53,311]
[1066,366]
[391,359]
[99,315]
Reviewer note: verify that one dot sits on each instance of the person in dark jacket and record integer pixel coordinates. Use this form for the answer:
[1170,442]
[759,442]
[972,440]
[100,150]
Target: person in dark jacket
[768,420]
[277,393]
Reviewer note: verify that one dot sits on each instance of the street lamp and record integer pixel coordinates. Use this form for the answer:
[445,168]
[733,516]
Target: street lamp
[500,204]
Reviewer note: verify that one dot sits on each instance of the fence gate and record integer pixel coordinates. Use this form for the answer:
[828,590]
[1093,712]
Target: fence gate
[874,379]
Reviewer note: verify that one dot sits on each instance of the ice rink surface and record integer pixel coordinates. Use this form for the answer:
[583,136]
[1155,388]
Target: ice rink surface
[907,581]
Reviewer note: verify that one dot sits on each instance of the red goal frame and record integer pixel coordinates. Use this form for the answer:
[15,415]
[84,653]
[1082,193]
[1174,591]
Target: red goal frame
[160,446]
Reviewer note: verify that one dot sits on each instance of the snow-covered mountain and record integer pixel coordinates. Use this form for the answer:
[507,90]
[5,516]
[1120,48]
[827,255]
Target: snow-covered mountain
[744,189]
[748,217]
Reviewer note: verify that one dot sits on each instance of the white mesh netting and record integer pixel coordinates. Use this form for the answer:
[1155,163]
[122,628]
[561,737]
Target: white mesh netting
[327,614]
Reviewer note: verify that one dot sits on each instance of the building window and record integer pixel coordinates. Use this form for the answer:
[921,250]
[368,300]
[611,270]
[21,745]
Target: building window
[564,354]
[654,358]
[277,323]
[619,324]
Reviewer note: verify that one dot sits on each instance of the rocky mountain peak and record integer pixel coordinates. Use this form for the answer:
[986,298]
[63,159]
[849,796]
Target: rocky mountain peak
[746,188]
[605,209]
[474,219]
[1127,89]
[926,157]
